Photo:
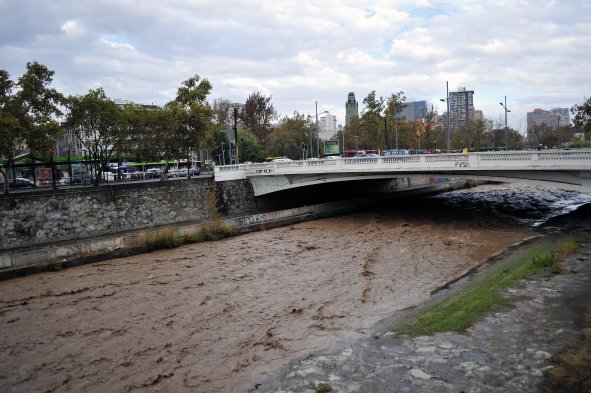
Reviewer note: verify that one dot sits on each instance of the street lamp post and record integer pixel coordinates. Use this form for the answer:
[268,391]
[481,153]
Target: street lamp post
[356,142]
[318,131]
[223,154]
[558,131]
[317,134]
[396,128]
[506,128]
[448,133]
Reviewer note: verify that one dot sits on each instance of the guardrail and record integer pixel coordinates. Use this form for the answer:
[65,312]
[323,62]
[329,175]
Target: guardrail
[527,160]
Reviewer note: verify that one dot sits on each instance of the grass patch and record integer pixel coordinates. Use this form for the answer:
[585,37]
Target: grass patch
[167,238]
[213,230]
[458,311]
[162,239]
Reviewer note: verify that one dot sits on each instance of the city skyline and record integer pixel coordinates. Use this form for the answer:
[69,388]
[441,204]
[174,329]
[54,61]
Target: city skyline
[305,52]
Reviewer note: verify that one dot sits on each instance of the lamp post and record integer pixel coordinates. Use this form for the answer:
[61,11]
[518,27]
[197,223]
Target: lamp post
[448,133]
[396,128]
[506,128]
[558,131]
[318,131]
[356,142]
[223,154]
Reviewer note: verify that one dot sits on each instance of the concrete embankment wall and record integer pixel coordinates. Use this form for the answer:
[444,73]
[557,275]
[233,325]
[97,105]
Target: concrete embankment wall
[35,218]
[235,197]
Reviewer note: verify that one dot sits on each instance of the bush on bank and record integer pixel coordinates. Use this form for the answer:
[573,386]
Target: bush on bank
[166,237]
[458,311]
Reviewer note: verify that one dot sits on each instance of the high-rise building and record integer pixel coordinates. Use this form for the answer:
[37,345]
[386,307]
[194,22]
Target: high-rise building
[557,117]
[328,126]
[351,108]
[564,116]
[461,107]
[414,110]
[478,115]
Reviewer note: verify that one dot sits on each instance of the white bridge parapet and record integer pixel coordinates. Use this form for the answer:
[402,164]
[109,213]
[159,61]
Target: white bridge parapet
[570,168]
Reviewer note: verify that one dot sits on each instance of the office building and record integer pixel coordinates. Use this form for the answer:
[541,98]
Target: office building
[461,107]
[328,126]
[564,116]
[553,118]
[414,110]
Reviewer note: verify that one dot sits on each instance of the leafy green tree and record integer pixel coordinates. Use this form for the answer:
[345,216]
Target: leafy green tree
[182,126]
[192,117]
[12,137]
[40,105]
[371,128]
[582,117]
[28,117]
[250,147]
[97,122]
[289,136]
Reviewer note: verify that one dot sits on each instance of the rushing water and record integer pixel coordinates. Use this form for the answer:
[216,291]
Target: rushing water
[530,205]
[211,316]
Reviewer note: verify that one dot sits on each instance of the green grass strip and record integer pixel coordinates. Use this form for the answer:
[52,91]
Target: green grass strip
[459,310]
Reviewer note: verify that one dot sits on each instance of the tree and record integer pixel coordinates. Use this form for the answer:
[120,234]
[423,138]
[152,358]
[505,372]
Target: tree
[582,116]
[351,131]
[250,147]
[40,104]
[371,129]
[97,122]
[289,136]
[12,137]
[428,127]
[182,126]
[29,116]
[224,112]
[543,134]
[257,114]
[193,116]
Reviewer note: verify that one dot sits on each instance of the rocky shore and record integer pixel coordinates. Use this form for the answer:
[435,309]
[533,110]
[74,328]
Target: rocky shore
[542,344]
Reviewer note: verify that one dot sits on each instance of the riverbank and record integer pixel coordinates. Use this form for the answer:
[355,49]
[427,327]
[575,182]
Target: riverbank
[541,344]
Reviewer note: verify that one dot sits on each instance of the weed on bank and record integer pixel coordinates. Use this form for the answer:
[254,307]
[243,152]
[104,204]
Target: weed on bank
[458,311]
[167,238]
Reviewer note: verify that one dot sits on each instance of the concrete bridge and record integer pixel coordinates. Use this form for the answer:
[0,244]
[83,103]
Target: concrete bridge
[566,169]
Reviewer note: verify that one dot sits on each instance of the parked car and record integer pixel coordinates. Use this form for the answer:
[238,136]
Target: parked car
[399,152]
[19,182]
[153,173]
[82,178]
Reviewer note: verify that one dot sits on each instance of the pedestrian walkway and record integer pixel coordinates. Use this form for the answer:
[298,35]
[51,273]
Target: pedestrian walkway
[507,351]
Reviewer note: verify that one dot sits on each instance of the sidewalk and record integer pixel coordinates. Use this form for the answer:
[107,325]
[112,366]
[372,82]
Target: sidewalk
[510,351]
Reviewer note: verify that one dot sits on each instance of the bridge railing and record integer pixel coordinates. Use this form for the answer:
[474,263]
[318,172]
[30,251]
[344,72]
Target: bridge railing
[530,160]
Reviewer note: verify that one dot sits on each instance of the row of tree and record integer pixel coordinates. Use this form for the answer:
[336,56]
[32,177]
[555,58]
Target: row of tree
[33,116]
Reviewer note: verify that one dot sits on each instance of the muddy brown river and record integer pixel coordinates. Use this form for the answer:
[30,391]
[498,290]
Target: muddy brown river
[209,317]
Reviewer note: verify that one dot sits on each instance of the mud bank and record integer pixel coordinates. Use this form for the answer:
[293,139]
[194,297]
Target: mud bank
[214,316]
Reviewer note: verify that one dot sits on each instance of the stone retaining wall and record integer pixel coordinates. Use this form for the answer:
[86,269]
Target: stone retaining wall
[33,218]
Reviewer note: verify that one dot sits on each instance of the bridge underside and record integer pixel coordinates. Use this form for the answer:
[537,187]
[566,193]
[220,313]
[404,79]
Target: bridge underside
[568,180]
[344,189]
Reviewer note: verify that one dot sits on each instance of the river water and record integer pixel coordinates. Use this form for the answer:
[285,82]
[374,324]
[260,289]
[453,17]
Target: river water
[211,316]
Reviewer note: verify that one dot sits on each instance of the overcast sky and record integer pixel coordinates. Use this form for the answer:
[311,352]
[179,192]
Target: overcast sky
[537,53]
